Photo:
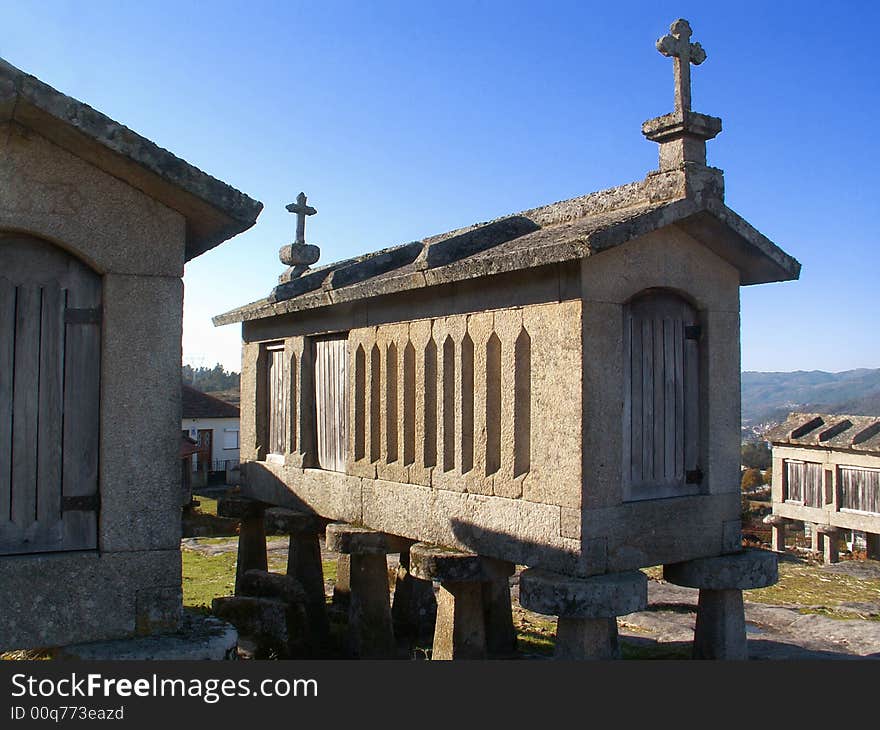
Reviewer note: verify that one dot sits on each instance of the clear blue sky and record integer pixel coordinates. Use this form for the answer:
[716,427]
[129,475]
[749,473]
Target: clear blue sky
[405,119]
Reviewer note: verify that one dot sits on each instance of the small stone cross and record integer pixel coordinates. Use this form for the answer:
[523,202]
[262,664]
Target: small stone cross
[684,53]
[301,210]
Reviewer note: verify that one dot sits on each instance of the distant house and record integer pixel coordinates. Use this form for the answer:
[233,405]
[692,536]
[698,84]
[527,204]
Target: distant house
[826,473]
[213,425]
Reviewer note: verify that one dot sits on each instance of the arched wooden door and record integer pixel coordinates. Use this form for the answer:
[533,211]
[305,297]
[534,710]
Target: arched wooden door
[661,397]
[50,362]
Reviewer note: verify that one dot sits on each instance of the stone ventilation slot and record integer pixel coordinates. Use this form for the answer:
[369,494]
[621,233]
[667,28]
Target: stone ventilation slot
[375,404]
[493,405]
[448,404]
[409,404]
[391,402]
[430,445]
[294,392]
[522,405]
[467,404]
[360,405]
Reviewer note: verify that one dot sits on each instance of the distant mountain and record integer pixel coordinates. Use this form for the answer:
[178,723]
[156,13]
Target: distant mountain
[768,397]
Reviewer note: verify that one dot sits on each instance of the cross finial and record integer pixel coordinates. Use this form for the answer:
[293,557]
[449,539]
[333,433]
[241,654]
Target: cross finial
[684,53]
[301,210]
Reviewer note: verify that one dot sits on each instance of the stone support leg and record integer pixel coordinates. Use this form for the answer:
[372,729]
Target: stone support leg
[873,546]
[304,564]
[497,609]
[369,612]
[720,632]
[778,538]
[251,548]
[460,631]
[817,540]
[831,548]
[586,638]
[342,588]
[414,609]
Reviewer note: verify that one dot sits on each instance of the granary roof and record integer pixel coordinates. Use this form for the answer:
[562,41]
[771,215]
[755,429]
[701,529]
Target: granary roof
[214,211]
[829,431]
[567,230]
[196,404]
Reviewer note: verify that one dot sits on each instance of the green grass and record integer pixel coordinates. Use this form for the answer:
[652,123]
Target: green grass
[207,506]
[814,590]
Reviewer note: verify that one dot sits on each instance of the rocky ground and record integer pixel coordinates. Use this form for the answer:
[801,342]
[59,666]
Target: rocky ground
[831,629]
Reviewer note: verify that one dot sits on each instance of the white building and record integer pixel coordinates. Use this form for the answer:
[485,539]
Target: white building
[213,423]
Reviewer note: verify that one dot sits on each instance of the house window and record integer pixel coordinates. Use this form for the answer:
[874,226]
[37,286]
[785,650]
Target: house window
[661,397]
[803,482]
[859,489]
[230,438]
[331,401]
[277,399]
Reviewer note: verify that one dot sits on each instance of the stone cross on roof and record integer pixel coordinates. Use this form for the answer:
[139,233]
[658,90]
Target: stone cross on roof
[677,43]
[301,210]
[298,255]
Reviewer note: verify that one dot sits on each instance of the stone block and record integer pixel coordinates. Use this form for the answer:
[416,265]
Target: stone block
[263,584]
[581,639]
[433,562]
[742,571]
[720,631]
[601,596]
[278,628]
[370,630]
[140,418]
[460,631]
[199,638]
[355,540]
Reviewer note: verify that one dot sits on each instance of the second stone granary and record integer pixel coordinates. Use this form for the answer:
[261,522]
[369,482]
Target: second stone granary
[557,388]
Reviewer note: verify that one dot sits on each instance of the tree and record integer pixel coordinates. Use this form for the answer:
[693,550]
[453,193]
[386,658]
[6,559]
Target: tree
[751,479]
[756,455]
[210,379]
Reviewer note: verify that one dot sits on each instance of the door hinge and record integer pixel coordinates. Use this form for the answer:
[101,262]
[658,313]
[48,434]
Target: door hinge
[693,332]
[87,503]
[82,316]
[694,477]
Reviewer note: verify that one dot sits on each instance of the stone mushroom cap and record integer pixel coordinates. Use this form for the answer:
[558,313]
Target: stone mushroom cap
[738,571]
[600,596]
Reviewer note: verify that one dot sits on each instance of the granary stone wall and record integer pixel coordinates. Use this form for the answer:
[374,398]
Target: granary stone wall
[464,430]
[828,510]
[132,582]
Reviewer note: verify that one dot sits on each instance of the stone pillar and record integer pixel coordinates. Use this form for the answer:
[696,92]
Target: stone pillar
[873,546]
[497,609]
[251,534]
[304,563]
[720,631]
[370,630]
[414,609]
[817,540]
[587,608]
[777,525]
[460,630]
[342,587]
[831,546]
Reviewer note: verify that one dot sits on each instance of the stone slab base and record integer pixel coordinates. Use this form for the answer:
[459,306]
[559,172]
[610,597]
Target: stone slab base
[199,638]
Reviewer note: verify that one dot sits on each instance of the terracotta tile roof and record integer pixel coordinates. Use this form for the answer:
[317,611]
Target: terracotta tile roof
[201,405]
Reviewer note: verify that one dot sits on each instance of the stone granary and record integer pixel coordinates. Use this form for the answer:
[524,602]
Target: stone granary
[558,388]
[96,224]
[826,473]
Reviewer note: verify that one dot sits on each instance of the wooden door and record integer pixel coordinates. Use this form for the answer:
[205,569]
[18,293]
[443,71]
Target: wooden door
[331,401]
[278,396]
[50,345]
[206,449]
[661,397]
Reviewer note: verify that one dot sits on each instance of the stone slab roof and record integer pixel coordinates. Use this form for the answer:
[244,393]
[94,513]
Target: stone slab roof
[564,231]
[196,404]
[214,211]
[829,431]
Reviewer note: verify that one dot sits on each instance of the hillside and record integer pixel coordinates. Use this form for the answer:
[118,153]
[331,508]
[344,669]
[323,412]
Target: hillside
[768,397]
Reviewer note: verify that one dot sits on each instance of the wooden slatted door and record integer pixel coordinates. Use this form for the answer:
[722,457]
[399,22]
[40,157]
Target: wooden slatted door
[661,403]
[331,401]
[49,399]
[278,395]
